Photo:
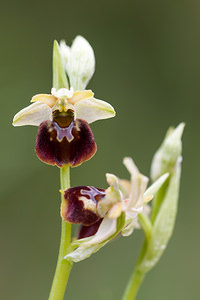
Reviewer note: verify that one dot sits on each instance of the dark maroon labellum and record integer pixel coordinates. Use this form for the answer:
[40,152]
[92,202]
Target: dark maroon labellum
[86,231]
[65,141]
[80,205]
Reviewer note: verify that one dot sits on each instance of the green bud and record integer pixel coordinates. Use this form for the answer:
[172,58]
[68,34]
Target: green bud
[79,62]
[165,158]
[59,76]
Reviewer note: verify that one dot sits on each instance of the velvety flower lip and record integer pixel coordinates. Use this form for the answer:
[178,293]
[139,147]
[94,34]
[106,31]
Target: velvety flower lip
[87,231]
[71,145]
[80,205]
[83,103]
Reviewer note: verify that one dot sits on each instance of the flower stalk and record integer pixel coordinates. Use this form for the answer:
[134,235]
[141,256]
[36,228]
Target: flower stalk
[63,267]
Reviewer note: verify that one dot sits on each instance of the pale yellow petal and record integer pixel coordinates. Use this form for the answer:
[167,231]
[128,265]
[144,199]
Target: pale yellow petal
[148,198]
[115,211]
[81,95]
[47,99]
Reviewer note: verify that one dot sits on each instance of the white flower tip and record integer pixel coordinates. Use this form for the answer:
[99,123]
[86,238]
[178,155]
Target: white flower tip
[166,156]
[14,123]
[63,92]
[130,165]
[80,62]
[177,132]
[17,119]
[81,43]
[112,180]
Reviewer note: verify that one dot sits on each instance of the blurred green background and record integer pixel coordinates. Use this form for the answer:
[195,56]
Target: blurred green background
[148,67]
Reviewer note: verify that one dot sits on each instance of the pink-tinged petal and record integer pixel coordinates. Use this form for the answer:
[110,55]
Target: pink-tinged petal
[72,145]
[80,205]
[87,231]
[47,99]
[33,114]
[81,95]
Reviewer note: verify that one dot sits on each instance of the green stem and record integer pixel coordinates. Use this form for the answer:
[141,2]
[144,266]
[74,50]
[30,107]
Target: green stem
[63,267]
[146,225]
[137,276]
[133,285]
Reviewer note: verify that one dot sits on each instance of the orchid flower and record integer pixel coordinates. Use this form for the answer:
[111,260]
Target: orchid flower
[82,103]
[106,213]
[64,136]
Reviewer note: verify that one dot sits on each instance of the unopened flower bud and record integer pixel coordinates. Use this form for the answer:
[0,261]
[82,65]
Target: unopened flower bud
[79,62]
[166,157]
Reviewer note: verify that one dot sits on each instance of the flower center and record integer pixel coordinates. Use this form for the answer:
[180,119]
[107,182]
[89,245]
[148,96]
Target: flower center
[64,118]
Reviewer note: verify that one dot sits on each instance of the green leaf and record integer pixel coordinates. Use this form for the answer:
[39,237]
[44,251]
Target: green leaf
[59,75]
[164,224]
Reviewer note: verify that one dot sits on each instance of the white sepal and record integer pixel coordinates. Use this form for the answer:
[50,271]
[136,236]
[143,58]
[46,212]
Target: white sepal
[33,114]
[93,109]
[108,229]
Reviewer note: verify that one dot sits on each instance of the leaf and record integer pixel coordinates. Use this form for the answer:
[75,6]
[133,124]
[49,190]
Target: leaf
[59,75]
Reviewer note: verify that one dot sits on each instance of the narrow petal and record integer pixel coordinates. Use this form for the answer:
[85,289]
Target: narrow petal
[81,95]
[33,114]
[138,183]
[113,195]
[93,109]
[47,99]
